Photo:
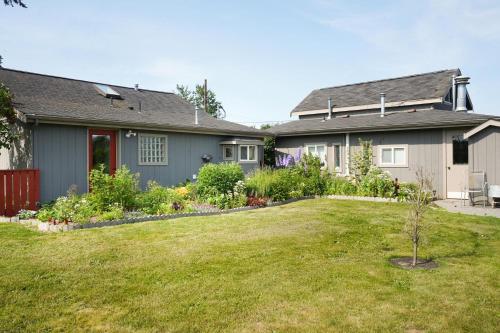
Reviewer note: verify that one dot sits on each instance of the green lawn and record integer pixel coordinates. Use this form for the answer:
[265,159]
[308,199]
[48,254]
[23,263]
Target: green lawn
[315,265]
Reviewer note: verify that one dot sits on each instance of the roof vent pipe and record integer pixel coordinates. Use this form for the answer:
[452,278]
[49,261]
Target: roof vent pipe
[453,93]
[196,115]
[461,83]
[136,87]
[382,104]
[329,108]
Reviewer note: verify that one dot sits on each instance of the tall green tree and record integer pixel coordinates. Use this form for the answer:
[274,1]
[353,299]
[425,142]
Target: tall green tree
[19,3]
[7,117]
[196,97]
[269,147]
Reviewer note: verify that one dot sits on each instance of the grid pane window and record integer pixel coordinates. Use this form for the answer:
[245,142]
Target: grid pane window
[152,149]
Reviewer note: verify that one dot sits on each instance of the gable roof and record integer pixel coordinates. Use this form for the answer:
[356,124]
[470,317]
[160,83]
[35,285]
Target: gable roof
[374,122]
[64,100]
[414,88]
[481,127]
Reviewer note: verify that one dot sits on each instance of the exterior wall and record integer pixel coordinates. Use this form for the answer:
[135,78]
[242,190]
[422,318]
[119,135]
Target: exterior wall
[443,106]
[290,145]
[484,154]
[60,152]
[425,148]
[19,156]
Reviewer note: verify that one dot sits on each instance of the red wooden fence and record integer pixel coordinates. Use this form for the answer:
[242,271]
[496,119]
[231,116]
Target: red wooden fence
[19,189]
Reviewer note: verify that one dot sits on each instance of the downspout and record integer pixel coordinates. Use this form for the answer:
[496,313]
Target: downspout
[347,154]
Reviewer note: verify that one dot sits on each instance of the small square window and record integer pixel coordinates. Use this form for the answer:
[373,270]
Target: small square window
[228,152]
[248,153]
[393,156]
[153,149]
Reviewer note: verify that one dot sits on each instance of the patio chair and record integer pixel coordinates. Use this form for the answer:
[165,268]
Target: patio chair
[477,185]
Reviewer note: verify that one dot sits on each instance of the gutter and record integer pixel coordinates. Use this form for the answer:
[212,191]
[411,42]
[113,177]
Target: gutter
[118,124]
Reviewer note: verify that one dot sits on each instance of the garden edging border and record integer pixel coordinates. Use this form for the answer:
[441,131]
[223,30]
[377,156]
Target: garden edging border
[47,227]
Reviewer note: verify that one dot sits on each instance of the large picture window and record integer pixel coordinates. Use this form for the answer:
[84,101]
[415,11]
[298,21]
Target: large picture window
[248,153]
[394,156]
[460,150]
[153,149]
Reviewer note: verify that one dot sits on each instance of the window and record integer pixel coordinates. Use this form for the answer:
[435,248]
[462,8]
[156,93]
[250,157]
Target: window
[460,150]
[107,91]
[153,149]
[336,158]
[228,152]
[248,153]
[317,150]
[395,156]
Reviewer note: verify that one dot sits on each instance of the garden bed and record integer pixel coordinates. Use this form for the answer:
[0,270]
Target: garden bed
[49,227]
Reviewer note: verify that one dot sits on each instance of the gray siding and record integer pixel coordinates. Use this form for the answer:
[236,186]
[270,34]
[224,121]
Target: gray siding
[441,106]
[184,157]
[425,149]
[484,153]
[60,152]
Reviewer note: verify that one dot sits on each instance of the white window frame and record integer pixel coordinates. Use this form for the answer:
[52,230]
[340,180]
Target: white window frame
[316,145]
[224,157]
[392,148]
[150,135]
[248,153]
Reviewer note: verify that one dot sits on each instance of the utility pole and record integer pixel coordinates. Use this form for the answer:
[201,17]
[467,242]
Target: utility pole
[205,96]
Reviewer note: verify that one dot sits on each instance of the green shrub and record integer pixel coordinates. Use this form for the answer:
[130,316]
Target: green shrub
[314,179]
[339,185]
[406,190]
[114,212]
[106,190]
[376,183]
[261,181]
[216,179]
[231,199]
[159,200]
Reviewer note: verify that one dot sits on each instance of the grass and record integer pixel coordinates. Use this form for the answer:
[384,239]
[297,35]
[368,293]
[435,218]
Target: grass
[319,265]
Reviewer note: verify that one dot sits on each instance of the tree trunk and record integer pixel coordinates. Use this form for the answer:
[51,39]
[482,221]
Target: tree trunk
[415,247]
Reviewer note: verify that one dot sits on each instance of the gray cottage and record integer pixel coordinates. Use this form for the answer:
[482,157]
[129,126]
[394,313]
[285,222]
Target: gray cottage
[413,121]
[67,127]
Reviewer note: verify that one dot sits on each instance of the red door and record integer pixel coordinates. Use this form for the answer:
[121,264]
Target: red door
[102,149]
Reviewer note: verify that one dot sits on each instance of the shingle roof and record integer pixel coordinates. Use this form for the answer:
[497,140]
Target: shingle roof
[406,88]
[373,122]
[54,98]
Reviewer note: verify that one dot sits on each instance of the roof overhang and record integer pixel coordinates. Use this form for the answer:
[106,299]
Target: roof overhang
[370,106]
[242,142]
[481,127]
[129,125]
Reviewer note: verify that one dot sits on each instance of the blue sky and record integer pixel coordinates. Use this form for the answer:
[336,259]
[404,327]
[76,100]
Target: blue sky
[260,57]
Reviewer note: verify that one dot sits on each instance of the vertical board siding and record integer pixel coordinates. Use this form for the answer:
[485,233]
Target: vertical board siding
[18,190]
[484,154]
[60,152]
[424,149]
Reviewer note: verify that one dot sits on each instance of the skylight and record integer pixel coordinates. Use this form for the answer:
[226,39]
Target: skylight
[107,91]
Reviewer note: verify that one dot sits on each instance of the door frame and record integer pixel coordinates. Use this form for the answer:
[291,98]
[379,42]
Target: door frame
[112,149]
[448,149]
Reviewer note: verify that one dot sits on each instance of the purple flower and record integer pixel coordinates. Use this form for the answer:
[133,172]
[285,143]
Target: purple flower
[283,160]
[298,155]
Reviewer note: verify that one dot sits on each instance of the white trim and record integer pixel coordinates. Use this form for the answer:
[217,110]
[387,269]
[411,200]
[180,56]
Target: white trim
[242,142]
[457,195]
[392,164]
[316,145]
[479,128]
[248,153]
[224,152]
[141,135]
[370,106]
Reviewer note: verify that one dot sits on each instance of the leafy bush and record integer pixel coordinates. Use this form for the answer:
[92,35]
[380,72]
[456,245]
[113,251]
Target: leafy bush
[256,202]
[406,191]
[261,181]
[121,188]
[231,199]
[362,160]
[159,200]
[313,178]
[217,179]
[24,214]
[114,212]
[376,183]
[338,185]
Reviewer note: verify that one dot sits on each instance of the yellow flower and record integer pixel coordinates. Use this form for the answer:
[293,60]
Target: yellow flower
[183,191]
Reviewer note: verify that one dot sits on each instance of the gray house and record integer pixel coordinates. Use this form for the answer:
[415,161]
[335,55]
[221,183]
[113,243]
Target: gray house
[67,127]
[413,121]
